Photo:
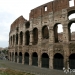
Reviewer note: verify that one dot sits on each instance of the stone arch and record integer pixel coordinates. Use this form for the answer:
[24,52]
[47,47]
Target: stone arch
[13,39]
[16,56]
[20,57]
[26,58]
[45,32]
[71,14]
[58,61]
[45,60]
[34,59]
[27,40]
[17,39]
[12,56]
[21,38]
[70,31]
[58,34]
[35,36]
[27,25]
[72,61]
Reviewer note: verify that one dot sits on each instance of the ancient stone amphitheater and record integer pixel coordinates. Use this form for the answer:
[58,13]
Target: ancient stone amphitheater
[36,42]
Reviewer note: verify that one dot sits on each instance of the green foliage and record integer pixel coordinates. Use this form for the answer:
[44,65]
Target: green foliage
[13,72]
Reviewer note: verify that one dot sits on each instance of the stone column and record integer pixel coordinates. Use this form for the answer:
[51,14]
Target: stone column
[66,55]
[23,39]
[30,59]
[65,32]
[39,36]
[18,57]
[14,55]
[31,38]
[51,57]
[51,35]
[39,60]
[23,58]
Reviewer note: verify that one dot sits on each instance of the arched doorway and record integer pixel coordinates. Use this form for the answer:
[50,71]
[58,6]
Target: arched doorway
[26,58]
[35,59]
[12,56]
[58,61]
[20,57]
[72,61]
[15,56]
[45,60]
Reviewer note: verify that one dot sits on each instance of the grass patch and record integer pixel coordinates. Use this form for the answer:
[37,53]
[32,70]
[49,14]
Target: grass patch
[12,72]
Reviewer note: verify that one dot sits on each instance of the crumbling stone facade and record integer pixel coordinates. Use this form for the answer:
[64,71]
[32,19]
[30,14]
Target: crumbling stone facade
[35,42]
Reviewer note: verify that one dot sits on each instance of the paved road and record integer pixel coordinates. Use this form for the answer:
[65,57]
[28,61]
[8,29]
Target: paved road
[31,69]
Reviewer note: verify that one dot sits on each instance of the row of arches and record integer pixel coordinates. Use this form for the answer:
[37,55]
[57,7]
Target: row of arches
[45,34]
[58,60]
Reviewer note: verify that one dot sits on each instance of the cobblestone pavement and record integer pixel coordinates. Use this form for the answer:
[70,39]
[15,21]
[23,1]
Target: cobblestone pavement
[31,69]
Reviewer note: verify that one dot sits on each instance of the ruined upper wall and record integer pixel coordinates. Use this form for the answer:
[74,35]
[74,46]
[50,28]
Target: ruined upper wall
[19,20]
[53,6]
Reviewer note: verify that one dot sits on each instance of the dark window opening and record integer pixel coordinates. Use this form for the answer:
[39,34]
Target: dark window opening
[35,36]
[45,32]
[21,38]
[16,39]
[27,24]
[27,34]
[17,29]
[13,39]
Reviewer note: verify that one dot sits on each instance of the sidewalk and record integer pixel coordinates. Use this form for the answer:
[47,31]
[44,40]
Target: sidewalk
[31,69]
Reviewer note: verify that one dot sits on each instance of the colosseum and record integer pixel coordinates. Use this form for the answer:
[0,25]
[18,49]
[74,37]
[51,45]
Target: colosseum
[36,41]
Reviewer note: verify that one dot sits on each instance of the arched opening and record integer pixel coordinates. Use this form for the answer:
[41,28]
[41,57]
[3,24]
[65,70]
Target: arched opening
[13,39]
[71,31]
[12,56]
[26,58]
[35,36]
[72,61]
[27,34]
[71,14]
[16,39]
[20,57]
[35,59]
[58,61]
[45,32]
[15,56]
[58,32]
[21,38]
[27,25]
[45,60]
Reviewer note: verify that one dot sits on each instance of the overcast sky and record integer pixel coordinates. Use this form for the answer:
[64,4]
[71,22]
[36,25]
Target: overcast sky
[12,9]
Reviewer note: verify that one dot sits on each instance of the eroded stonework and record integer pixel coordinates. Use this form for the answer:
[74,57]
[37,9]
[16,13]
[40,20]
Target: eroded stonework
[37,42]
